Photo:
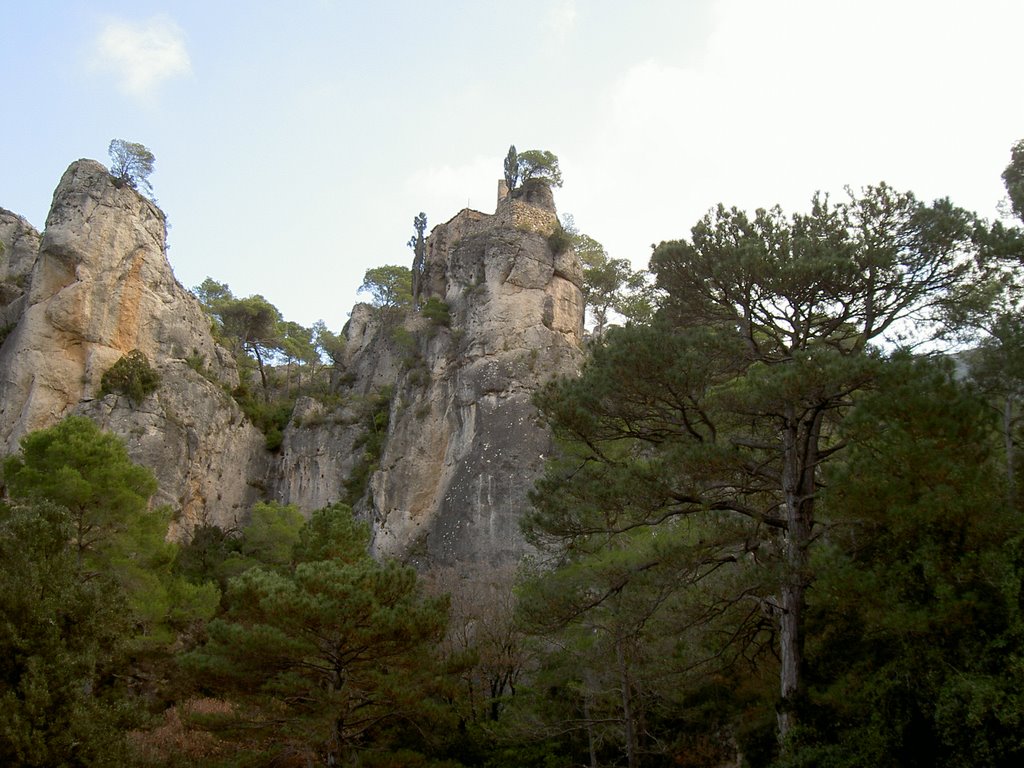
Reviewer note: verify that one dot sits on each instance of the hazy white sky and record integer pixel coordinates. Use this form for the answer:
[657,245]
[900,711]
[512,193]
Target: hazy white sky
[295,142]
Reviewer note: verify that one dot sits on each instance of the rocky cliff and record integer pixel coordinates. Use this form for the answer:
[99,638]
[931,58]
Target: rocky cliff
[463,444]
[19,245]
[430,428]
[96,286]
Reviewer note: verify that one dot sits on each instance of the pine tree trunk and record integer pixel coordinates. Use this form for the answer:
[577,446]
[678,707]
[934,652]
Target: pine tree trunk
[1011,481]
[588,687]
[800,453]
[791,648]
[627,706]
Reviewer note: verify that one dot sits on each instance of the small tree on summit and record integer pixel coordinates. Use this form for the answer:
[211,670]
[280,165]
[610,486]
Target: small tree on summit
[531,164]
[511,168]
[389,286]
[419,248]
[131,164]
[540,164]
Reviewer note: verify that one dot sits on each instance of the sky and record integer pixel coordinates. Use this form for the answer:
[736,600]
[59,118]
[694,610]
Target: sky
[295,142]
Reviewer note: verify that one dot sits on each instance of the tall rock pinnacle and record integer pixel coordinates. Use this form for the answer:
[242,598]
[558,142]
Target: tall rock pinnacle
[101,286]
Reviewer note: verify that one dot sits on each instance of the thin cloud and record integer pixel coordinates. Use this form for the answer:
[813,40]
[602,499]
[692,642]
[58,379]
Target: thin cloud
[561,19]
[142,55]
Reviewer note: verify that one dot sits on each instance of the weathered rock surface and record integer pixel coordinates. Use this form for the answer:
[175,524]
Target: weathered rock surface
[100,286]
[19,246]
[463,443]
[319,453]
[430,424]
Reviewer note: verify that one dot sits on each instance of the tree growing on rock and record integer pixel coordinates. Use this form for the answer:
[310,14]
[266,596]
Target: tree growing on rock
[540,164]
[256,324]
[131,376]
[131,164]
[418,244]
[609,285]
[389,286]
[521,167]
[511,168]
[329,344]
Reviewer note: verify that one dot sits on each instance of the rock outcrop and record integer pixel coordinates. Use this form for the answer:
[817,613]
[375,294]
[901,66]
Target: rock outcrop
[19,246]
[463,444]
[430,426]
[100,286]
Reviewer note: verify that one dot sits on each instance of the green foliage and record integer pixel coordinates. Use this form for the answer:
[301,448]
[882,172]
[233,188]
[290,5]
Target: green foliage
[375,419]
[114,534]
[539,164]
[197,362]
[389,286]
[609,285]
[288,356]
[329,344]
[89,473]
[720,417]
[917,631]
[272,532]
[255,325]
[404,340]
[559,241]
[62,638]
[212,296]
[321,657]
[255,331]
[204,557]
[215,555]
[254,321]
[131,376]
[437,311]
[131,164]
[297,343]
[419,247]
[511,168]
[1013,178]
[270,418]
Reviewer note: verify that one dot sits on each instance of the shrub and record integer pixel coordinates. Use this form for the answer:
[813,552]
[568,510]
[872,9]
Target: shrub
[270,418]
[131,376]
[376,416]
[436,311]
[196,361]
[404,340]
[559,241]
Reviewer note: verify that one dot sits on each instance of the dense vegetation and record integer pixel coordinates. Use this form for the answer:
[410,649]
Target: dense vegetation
[278,360]
[782,529]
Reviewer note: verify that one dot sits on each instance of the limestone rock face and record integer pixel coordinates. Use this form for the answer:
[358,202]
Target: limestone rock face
[100,286]
[464,445]
[19,246]
[429,426]
[319,453]
[211,463]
